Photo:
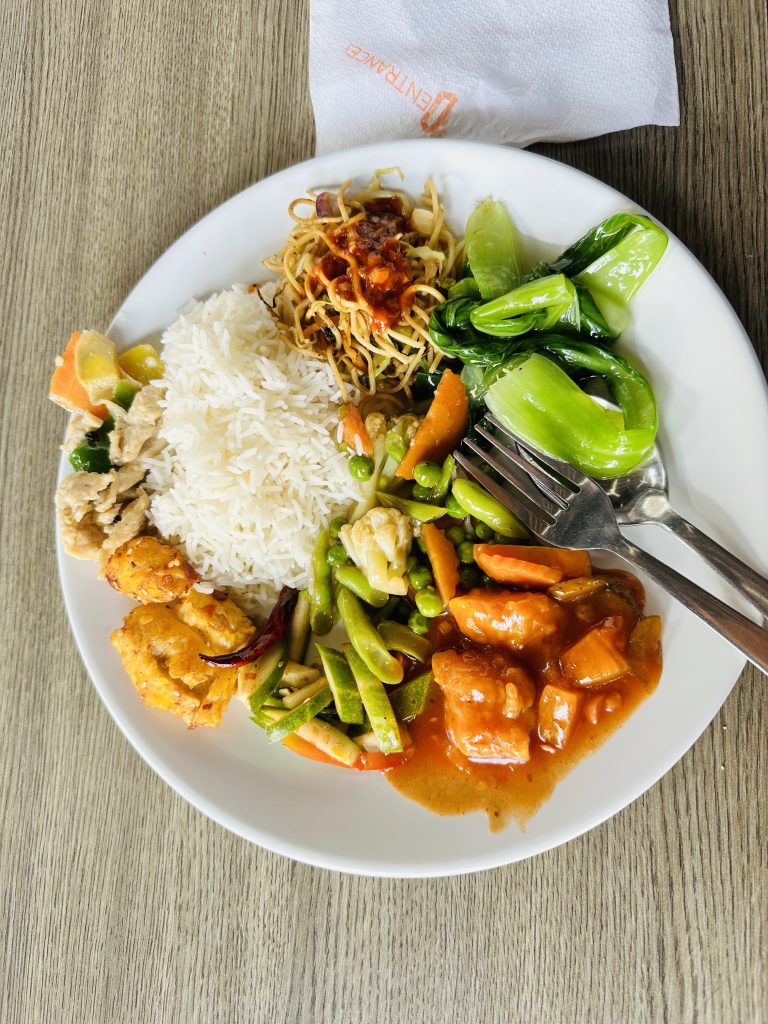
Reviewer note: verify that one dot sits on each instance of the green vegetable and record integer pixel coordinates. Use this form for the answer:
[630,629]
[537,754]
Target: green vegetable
[366,639]
[539,401]
[491,249]
[410,700]
[321,588]
[335,527]
[483,531]
[397,446]
[296,697]
[456,534]
[428,602]
[420,577]
[427,474]
[354,579]
[411,562]
[280,728]
[466,553]
[417,510]
[479,503]
[469,576]
[376,703]
[386,611]
[453,508]
[90,459]
[467,287]
[419,493]
[610,262]
[266,673]
[342,684]
[330,740]
[418,623]
[441,488]
[398,637]
[337,554]
[537,305]
[124,394]
[298,634]
[361,467]
[419,542]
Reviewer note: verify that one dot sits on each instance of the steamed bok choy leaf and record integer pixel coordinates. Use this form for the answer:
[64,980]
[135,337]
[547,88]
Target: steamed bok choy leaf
[491,249]
[538,400]
[608,265]
[534,306]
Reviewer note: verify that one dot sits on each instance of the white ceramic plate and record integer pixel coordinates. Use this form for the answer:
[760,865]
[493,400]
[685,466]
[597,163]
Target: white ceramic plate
[714,428]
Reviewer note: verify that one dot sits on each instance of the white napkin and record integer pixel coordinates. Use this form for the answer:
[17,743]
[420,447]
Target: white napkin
[515,71]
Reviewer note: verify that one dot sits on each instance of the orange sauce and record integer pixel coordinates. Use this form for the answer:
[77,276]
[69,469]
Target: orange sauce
[442,779]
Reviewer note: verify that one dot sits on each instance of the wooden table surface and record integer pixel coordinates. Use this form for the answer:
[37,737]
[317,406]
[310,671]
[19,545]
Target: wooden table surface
[122,123]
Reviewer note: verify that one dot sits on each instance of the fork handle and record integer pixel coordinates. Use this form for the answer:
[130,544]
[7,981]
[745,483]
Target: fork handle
[742,577]
[740,632]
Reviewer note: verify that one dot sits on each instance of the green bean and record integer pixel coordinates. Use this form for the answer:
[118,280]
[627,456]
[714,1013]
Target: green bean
[402,638]
[427,474]
[366,639]
[443,484]
[417,510]
[428,602]
[483,506]
[321,588]
[354,579]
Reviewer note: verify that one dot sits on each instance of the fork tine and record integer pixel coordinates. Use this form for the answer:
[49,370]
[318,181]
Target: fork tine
[546,463]
[533,516]
[533,496]
[552,488]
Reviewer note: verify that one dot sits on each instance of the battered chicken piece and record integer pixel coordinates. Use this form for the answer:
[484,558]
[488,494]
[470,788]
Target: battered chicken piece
[487,696]
[507,618]
[150,571]
[160,648]
[97,512]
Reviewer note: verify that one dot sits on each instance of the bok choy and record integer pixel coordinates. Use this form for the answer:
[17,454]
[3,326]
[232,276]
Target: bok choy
[537,399]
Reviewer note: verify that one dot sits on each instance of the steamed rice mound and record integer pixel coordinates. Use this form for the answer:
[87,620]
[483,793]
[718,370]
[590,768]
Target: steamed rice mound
[251,471]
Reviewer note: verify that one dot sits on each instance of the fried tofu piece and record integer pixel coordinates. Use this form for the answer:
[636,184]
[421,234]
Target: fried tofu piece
[150,571]
[160,647]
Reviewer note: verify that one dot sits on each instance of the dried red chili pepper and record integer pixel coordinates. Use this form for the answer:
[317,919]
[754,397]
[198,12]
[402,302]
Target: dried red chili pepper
[274,628]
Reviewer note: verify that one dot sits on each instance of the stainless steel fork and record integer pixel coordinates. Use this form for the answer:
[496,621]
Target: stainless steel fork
[568,509]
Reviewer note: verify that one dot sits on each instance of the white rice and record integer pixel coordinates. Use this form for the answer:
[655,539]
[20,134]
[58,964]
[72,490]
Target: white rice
[251,471]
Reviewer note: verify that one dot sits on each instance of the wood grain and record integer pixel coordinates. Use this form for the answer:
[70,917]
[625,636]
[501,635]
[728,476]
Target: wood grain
[121,125]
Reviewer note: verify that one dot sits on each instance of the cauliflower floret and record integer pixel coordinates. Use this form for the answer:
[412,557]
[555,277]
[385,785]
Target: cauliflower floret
[379,543]
[376,425]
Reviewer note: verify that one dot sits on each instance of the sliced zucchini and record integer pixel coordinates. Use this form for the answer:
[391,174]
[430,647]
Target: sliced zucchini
[330,740]
[409,700]
[376,703]
[342,683]
[292,700]
[398,637]
[289,723]
[258,680]
[296,675]
[298,634]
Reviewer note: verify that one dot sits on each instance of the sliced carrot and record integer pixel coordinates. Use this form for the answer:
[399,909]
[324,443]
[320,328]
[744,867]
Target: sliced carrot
[595,659]
[445,561]
[570,563]
[311,752]
[66,390]
[442,428]
[506,569]
[354,429]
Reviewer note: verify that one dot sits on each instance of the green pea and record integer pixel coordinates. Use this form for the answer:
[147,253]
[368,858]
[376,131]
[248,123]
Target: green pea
[335,528]
[483,531]
[427,474]
[470,576]
[361,467]
[411,562]
[428,602]
[456,534]
[396,446]
[420,493]
[420,577]
[418,623]
[466,552]
[337,555]
[453,508]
